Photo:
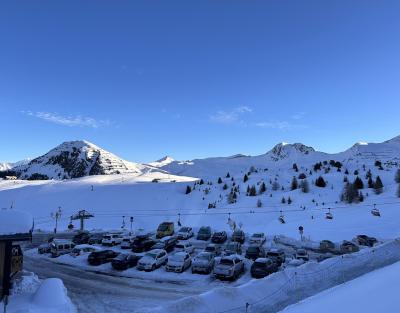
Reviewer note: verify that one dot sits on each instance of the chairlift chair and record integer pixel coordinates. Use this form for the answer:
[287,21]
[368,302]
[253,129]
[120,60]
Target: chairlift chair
[329,215]
[375,211]
[282,218]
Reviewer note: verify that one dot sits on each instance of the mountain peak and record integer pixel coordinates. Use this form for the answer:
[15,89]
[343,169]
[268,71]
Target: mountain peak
[283,150]
[394,140]
[162,162]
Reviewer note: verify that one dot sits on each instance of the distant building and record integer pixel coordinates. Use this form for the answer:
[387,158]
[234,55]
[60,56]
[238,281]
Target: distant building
[10,177]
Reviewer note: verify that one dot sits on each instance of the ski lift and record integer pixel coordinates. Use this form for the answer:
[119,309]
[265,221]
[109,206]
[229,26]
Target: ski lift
[375,211]
[179,220]
[282,218]
[329,215]
[229,218]
[123,222]
[70,225]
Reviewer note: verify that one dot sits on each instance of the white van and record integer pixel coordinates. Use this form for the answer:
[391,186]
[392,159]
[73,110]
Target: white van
[61,246]
[111,239]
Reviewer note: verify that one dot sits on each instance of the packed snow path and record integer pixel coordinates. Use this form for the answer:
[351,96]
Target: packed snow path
[92,292]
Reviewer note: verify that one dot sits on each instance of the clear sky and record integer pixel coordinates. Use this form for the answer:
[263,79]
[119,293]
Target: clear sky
[144,79]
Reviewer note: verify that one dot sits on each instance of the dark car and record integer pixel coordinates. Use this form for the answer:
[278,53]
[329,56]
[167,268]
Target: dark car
[166,243]
[96,239]
[143,244]
[326,246]
[364,240]
[81,238]
[44,248]
[233,248]
[219,237]
[124,261]
[238,236]
[349,247]
[254,252]
[101,257]
[204,233]
[277,256]
[263,267]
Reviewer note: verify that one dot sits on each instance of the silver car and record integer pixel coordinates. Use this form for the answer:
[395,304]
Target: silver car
[178,262]
[203,263]
[230,267]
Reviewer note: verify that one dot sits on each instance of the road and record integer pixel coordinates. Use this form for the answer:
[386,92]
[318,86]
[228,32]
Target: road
[92,292]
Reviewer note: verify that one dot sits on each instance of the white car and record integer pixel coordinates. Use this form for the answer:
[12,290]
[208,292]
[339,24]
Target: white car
[111,240]
[258,239]
[127,242]
[302,254]
[185,233]
[184,246]
[152,260]
[179,262]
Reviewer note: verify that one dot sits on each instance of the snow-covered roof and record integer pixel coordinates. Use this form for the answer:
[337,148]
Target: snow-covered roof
[13,222]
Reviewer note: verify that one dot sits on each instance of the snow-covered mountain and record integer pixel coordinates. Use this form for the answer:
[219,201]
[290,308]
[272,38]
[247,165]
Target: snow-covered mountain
[162,162]
[75,159]
[4,166]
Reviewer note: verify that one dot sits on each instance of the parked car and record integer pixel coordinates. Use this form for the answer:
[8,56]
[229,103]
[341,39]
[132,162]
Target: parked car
[185,233]
[152,260]
[302,254]
[219,237]
[204,233]
[277,256]
[203,263]
[238,236]
[102,257]
[167,243]
[124,261]
[258,238]
[326,246]
[81,238]
[348,247]
[233,247]
[165,229]
[263,267]
[142,243]
[255,251]
[364,240]
[85,248]
[127,242]
[60,247]
[111,239]
[184,246]
[96,239]
[229,267]
[213,248]
[178,262]
[44,248]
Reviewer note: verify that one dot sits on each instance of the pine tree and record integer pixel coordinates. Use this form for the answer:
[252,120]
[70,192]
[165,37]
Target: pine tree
[345,179]
[275,186]
[228,175]
[259,203]
[320,182]
[358,183]
[201,182]
[356,172]
[378,186]
[253,191]
[370,183]
[302,176]
[263,188]
[248,190]
[219,180]
[397,176]
[188,189]
[398,191]
[296,169]
[283,200]
[294,185]
[350,193]
[225,187]
[304,186]
[245,178]
[289,201]
[361,197]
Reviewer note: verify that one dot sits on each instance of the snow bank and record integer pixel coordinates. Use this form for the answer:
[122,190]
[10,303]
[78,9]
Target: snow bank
[30,295]
[281,289]
[15,222]
[381,286]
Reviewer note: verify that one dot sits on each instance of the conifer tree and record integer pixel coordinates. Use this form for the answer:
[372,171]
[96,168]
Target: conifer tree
[320,182]
[378,186]
[304,186]
[358,183]
[263,188]
[294,185]
[397,176]
[219,180]
[245,178]
[188,189]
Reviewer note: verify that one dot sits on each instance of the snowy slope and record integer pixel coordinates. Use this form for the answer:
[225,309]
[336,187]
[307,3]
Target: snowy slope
[74,159]
[162,162]
[9,165]
[374,292]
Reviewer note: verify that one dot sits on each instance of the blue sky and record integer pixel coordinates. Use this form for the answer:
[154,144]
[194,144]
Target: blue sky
[190,79]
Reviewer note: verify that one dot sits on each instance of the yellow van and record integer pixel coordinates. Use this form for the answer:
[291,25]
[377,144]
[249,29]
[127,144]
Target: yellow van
[165,229]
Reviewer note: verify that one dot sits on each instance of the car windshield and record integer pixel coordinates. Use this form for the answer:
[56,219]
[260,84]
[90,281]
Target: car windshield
[237,233]
[203,256]
[226,262]
[180,246]
[231,246]
[177,257]
[273,254]
[151,255]
[210,248]
[260,264]
[302,252]
[252,249]
[204,231]
[258,235]
[121,257]
[184,229]
[162,227]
